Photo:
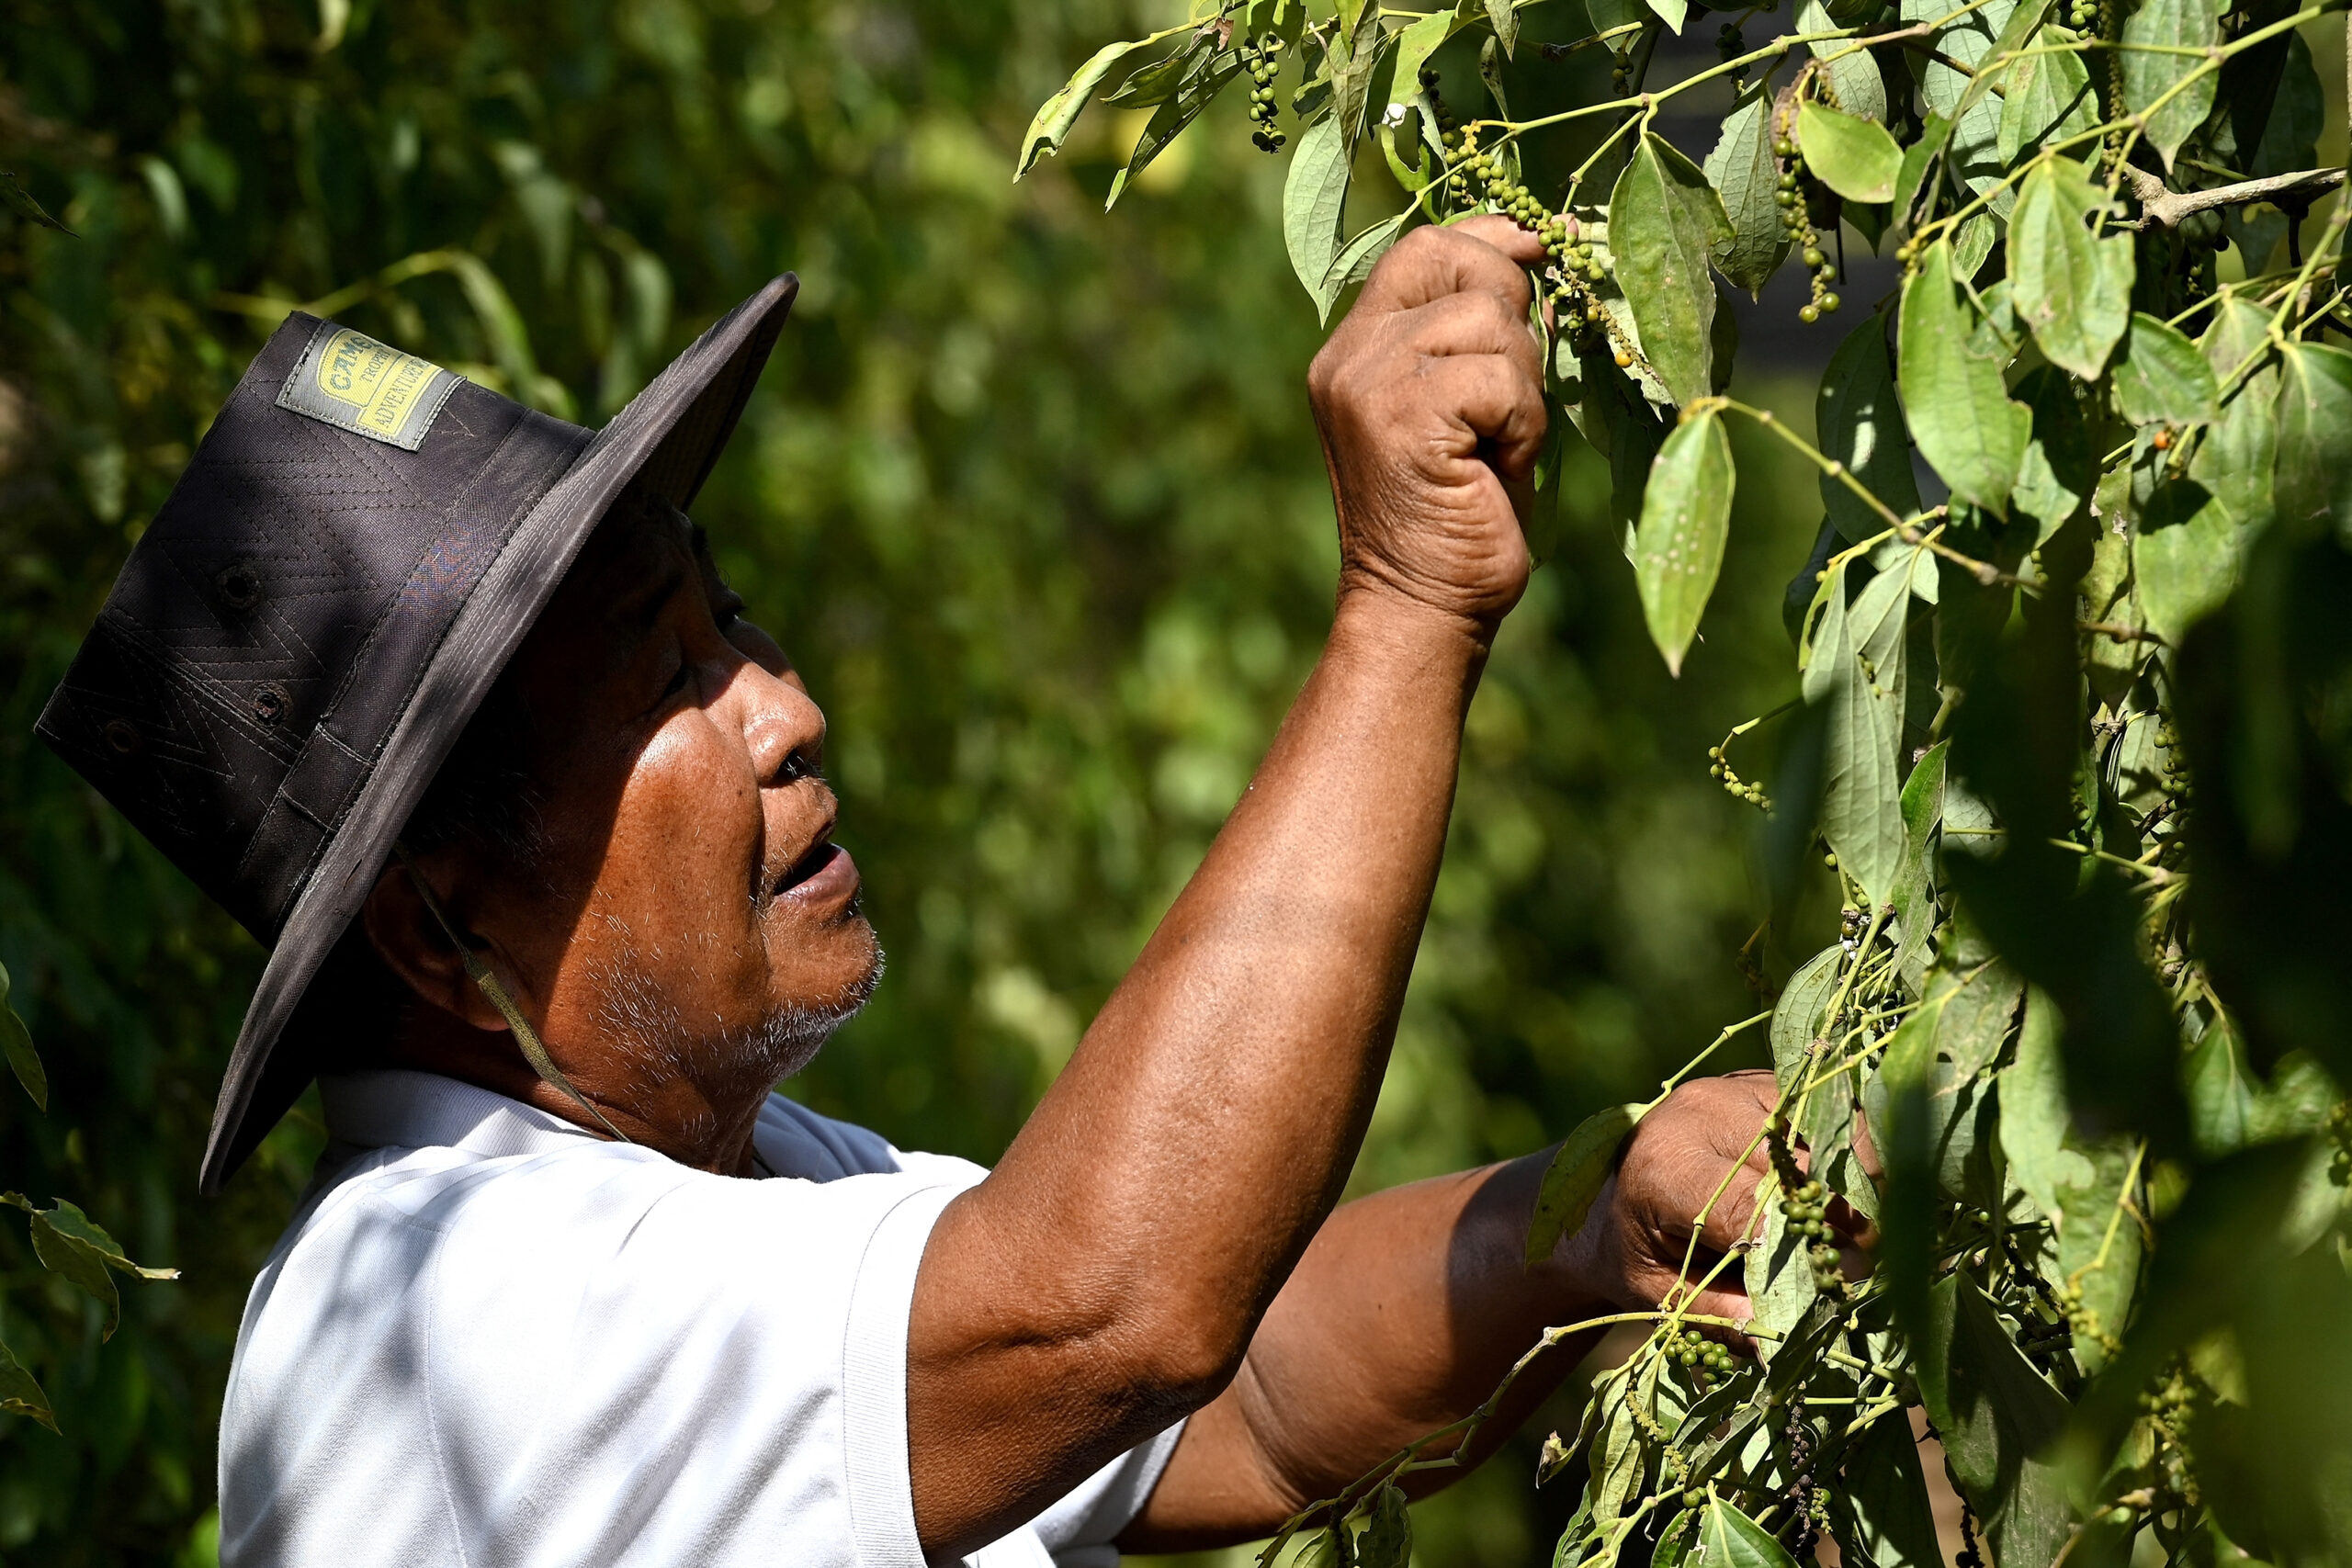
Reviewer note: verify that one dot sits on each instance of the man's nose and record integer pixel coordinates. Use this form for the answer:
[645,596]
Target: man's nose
[784,729]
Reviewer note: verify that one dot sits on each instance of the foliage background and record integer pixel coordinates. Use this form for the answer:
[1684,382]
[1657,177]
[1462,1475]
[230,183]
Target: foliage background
[1030,493]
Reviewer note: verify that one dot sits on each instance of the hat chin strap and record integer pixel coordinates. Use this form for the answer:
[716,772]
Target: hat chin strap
[481,974]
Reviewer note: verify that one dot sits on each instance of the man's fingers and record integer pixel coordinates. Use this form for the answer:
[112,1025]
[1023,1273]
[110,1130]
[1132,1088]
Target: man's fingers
[1498,401]
[1524,246]
[1473,323]
[1430,263]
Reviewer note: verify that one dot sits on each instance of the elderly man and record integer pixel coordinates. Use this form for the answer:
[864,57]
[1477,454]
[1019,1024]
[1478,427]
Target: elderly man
[446,700]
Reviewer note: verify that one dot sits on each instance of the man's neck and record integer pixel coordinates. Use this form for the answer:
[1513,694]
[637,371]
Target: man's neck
[703,1125]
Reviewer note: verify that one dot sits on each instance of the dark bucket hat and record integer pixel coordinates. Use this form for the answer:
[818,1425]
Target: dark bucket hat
[360,544]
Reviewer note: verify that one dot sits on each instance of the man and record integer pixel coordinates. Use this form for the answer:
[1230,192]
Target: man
[445,699]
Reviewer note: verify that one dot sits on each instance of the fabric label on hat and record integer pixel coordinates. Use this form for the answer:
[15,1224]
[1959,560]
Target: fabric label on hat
[351,382]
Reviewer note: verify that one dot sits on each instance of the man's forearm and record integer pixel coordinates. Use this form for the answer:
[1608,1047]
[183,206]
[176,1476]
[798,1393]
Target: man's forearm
[1110,1271]
[1405,1315]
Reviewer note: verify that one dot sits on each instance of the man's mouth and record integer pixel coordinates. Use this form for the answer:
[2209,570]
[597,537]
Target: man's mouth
[823,869]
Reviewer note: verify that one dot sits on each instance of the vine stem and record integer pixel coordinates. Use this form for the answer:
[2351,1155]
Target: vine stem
[1985,571]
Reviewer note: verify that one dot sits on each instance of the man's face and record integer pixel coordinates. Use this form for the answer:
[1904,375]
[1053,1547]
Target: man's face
[692,933]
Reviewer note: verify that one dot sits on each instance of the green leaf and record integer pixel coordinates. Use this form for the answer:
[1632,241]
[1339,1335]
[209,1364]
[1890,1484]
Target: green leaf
[1915,909]
[1973,151]
[1746,177]
[17,1040]
[1148,86]
[1885,1499]
[1856,158]
[2069,282]
[1729,1538]
[2049,99]
[1354,262]
[1054,116]
[1796,1018]
[1665,222]
[1778,1276]
[2185,557]
[70,1220]
[1997,66]
[2060,468]
[2222,1107]
[1851,74]
[79,1262]
[19,200]
[19,1395]
[1202,80]
[2099,1242]
[1414,46]
[1857,676]
[2150,78]
[1974,1022]
[1678,548]
[1998,1417]
[1672,12]
[1388,1540]
[2315,472]
[1913,177]
[1576,1176]
[1860,424]
[1618,1462]
[2240,450]
[1314,197]
[2160,378]
[1504,15]
[2034,1118]
[1959,407]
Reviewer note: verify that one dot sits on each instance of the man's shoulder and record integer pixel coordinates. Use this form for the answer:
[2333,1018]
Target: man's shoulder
[793,1141]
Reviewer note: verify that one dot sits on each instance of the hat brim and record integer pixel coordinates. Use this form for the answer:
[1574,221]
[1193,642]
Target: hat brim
[669,435]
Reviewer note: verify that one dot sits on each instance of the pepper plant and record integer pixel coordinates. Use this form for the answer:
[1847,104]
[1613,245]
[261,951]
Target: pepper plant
[2069,720]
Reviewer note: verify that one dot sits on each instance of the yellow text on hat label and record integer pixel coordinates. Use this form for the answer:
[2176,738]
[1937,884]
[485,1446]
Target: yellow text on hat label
[382,383]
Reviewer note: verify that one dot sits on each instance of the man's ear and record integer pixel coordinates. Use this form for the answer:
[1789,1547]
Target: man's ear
[413,945]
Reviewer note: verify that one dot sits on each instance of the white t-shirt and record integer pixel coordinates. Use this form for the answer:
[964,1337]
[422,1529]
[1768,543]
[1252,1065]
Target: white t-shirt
[490,1340]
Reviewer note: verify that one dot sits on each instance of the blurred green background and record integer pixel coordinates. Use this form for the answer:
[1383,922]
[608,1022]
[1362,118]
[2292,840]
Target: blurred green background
[1030,492]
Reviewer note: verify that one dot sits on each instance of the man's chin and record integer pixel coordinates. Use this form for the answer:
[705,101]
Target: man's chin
[796,1030]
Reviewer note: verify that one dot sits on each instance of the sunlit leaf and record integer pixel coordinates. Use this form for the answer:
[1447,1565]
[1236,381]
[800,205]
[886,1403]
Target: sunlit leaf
[1314,197]
[2167,87]
[1959,409]
[1686,515]
[1744,175]
[2049,101]
[1576,1176]
[1856,676]
[2315,472]
[2185,557]
[2159,377]
[2070,282]
[2240,450]
[1665,222]
[1856,158]
[1729,1538]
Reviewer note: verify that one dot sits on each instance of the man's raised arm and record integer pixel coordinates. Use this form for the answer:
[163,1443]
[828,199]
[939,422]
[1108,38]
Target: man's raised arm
[1108,1276]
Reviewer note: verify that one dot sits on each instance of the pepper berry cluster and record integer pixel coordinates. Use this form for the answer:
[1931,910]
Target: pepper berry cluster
[1719,767]
[1796,218]
[1702,1358]
[1258,58]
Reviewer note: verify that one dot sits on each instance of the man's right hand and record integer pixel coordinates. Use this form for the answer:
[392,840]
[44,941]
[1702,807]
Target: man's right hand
[1430,398]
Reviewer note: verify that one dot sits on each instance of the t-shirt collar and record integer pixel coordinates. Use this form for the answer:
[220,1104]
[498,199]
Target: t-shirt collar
[400,1108]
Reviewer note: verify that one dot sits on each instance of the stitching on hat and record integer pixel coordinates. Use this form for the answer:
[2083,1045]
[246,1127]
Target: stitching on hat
[509,529]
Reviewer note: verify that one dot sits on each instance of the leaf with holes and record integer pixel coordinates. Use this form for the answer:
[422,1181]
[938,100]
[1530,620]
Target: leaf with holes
[1665,222]
[2070,278]
[1679,546]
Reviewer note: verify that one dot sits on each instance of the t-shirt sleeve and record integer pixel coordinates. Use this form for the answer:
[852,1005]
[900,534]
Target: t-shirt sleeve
[1079,1530]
